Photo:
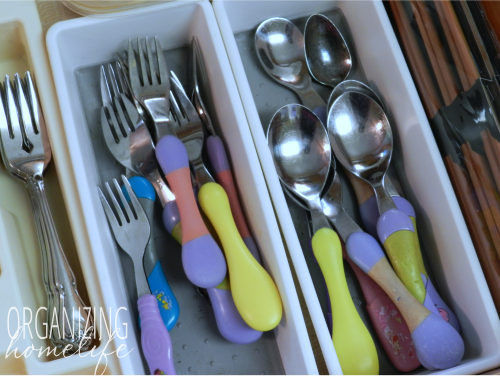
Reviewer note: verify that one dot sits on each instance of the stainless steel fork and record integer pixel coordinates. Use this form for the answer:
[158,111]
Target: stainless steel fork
[189,130]
[131,229]
[128,138]
[26,153]
[150,83]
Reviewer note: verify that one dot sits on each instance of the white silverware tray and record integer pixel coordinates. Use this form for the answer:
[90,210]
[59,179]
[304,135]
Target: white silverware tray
[82,44]
[440,223]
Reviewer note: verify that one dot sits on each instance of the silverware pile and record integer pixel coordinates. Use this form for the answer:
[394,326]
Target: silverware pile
[26,153]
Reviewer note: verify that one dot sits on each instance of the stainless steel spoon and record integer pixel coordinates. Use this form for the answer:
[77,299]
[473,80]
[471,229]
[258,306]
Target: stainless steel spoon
[302,156]
[280,48]
[327,54]
[361,137]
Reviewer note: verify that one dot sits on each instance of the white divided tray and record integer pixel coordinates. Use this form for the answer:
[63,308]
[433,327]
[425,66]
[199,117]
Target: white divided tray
[22,291]
[76,49]
[441,226]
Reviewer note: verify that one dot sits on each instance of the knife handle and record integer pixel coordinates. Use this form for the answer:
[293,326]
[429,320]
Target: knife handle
[155,340]
[229,321]
[220,164]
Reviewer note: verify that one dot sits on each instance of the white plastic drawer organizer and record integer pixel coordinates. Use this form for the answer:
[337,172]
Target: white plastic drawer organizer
[443,234]
[77,49]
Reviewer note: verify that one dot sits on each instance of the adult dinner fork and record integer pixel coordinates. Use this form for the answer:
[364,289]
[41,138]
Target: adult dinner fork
[150,83]
[26,153]
[131,229]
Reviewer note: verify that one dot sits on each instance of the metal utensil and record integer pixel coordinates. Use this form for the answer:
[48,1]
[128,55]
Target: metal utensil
[158,284]
[216,150]
[361,137]
[132,230]
[128,139]
[279,45]
[189,130]
[150,83]
[26,153]
[327,55]
[301,152]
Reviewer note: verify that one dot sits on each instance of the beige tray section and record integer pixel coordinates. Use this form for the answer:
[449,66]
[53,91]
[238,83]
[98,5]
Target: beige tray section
[22,47]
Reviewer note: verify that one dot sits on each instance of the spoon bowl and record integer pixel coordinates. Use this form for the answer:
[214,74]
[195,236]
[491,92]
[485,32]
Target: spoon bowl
[280,48]
[360,135]
[353,86]
[327,54]
[301,150]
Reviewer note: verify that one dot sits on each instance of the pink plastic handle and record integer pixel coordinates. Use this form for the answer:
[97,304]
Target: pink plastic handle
[220,164]
[155,340]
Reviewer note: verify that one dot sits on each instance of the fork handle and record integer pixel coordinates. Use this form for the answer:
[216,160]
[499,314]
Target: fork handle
[220,164]
[64,279]
[155,340]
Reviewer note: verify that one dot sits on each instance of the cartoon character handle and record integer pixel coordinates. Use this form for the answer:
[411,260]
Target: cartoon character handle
[155,340]
[167,303]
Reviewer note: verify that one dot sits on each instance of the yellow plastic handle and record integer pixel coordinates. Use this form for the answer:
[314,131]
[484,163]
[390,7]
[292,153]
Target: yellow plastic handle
[418,252]
[400,247]
[353,343]
[254,292]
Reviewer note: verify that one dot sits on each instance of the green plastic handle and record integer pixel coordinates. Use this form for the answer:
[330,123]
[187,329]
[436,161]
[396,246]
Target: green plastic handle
[353,343]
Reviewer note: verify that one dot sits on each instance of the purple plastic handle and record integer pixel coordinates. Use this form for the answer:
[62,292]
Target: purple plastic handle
[203,262]
[217,154]
[155,340]
[438,344]
[392,221]
[229,321]
[171,216]
[369,215]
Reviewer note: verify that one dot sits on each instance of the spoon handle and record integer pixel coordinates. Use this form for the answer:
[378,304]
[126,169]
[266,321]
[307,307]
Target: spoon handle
[220,164]
[172,220]
[370,214]
[395,231]
[353,343]
[438,344]
[254,292]
[229,322]
[202,259]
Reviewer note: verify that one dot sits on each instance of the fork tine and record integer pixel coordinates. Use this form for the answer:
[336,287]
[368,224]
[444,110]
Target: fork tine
[118,210]
[185,105]
[108,128]
[123,116]
[128,212]
[33,103]
[113,81]
[162,63]
[152,69]
[23,111]
[142,62]
[109,213]
[133,70]
[136,205]
[105,90]
[11,109]
[177,112]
